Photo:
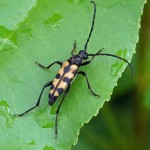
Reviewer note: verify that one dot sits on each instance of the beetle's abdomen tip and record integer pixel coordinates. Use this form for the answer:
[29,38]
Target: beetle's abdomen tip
[52,99]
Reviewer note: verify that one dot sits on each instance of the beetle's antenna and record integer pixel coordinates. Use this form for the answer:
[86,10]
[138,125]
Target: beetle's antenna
[132,70]
[85,46]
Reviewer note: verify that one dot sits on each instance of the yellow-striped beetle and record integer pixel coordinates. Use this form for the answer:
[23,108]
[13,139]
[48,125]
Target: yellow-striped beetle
[68,71]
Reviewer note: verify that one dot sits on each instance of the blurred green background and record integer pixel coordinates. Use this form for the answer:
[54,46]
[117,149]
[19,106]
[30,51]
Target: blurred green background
[123,123]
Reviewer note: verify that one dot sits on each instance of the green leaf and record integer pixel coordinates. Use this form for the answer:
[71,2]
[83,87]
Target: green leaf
[44,31]
[12,13]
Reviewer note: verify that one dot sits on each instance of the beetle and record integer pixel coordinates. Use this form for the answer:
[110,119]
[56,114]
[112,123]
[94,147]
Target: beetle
[68,71]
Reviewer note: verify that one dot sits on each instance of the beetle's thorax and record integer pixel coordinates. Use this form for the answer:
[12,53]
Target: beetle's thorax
[78,59]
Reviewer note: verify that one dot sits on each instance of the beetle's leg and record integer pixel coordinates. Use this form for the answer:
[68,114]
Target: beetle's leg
[38,101]
[89,87]
[93,56]
[57,111]
[44,67]
[88,62]
[74,48]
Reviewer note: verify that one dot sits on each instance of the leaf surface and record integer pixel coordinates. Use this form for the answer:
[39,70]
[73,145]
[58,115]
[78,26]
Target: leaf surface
[45,32]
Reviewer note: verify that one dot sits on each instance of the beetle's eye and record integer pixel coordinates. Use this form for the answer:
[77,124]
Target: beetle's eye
[83,54]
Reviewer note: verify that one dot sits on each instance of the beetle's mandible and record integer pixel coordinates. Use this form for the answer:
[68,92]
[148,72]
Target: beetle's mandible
[68,71]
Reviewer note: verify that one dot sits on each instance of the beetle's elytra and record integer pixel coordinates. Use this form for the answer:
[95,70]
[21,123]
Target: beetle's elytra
[64,77]
[68,71]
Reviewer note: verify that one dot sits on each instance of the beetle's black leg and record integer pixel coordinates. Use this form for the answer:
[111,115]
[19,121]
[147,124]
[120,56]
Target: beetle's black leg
[89,87]
[44,67]
[93,56]
[87,62]
[74,48]
[38,101]
[57,111]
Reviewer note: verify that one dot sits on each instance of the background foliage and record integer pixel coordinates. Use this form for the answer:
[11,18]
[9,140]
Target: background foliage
[124,122]
[44,31]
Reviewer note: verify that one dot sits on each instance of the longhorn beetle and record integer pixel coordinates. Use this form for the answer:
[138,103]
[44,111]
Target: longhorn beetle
[68,71]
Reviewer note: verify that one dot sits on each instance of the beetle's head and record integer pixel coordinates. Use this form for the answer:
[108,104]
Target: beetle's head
[77,59]
[83,54]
